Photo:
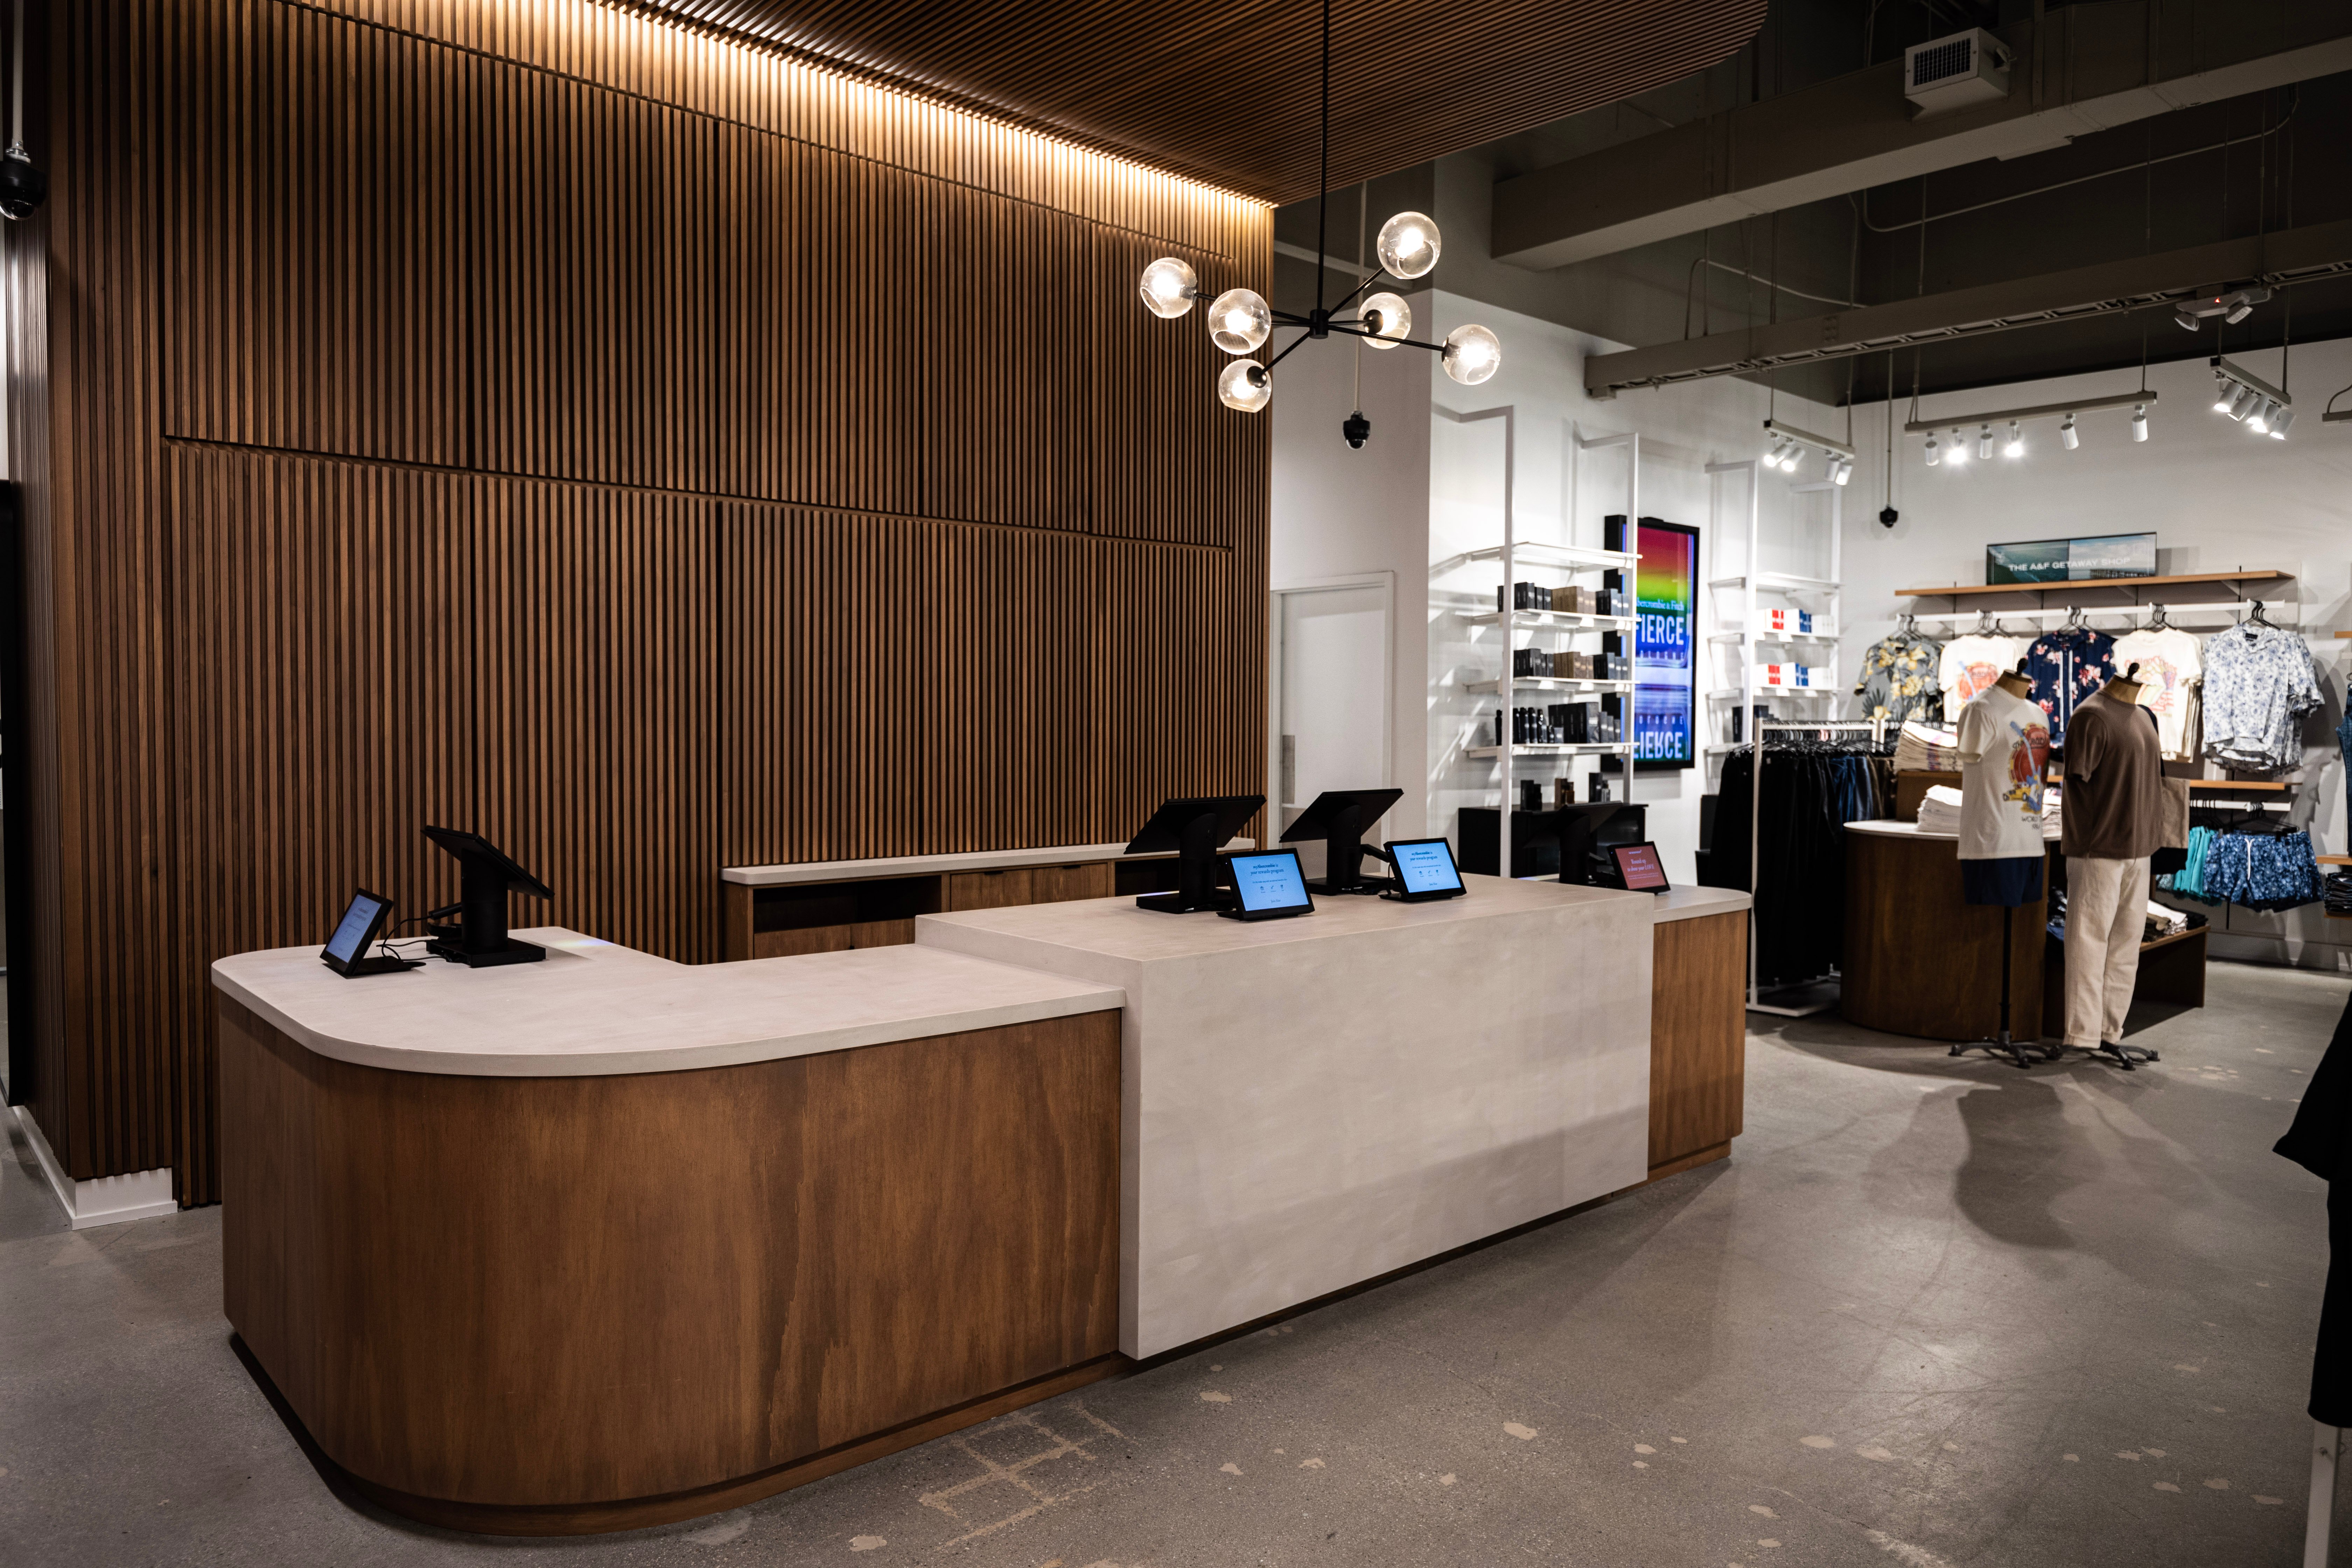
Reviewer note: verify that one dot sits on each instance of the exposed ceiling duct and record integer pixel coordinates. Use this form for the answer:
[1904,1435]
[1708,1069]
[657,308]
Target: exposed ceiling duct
[2139,282]
[2103,65]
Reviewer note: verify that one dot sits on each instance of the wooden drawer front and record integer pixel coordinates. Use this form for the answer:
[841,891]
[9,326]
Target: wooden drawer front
[988,890]
[1061,884]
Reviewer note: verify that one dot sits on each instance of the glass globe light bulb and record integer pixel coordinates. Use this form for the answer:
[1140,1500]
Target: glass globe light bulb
[1240,320]
[1388,317]
[1408,245]
[1472,354]
[1244,385]
[1167,287]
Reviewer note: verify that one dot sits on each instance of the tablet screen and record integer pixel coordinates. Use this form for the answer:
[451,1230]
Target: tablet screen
[1640,867]
[350,935]
[1270,881]
[1426,865]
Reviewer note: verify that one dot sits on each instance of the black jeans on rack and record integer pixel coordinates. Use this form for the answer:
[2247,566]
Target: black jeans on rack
[1811,792]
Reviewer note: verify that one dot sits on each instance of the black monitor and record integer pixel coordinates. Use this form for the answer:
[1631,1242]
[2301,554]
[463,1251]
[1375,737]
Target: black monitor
[1194,827]
[363,924]
[1340,817]
[486,876]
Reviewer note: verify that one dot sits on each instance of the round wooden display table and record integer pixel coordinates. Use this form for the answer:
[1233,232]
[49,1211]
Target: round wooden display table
[1920,959]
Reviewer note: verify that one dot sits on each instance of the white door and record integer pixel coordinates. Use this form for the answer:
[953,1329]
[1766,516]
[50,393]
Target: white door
[1332,727]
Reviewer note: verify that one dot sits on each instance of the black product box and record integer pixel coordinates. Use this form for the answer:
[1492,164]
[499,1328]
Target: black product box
[1612,532]
[1524,597]
[1531,662]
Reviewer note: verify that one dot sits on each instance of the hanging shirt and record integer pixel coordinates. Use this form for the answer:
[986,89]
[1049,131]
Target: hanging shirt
[2169,664]
[1900,677]
[1968,665]
[2068,665]
[2114,782]
[2004,750]
[2260,684]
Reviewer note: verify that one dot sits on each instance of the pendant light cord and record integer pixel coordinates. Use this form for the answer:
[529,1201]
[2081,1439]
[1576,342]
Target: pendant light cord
[1323,176]
[16,78]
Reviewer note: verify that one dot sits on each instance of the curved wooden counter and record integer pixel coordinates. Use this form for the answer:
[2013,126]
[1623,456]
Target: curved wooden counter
[1919,959]
[601,1296]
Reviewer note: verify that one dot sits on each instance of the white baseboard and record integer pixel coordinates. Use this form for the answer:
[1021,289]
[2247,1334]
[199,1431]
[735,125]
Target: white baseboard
[102,1200]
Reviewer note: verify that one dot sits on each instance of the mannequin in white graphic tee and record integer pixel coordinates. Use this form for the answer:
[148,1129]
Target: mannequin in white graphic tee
[2004,749]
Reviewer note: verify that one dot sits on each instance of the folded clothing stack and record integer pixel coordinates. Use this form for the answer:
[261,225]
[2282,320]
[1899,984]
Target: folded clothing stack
[2339,892]
[1927,749]
[2053,821]
[1939,811]
[2162,921]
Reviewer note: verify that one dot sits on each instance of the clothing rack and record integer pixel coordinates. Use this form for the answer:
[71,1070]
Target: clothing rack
[1765,728]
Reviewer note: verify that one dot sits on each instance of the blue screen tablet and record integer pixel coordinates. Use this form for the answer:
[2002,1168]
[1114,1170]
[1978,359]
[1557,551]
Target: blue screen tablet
[357,925]
[1424,868]
[1269,883]
[1426,865]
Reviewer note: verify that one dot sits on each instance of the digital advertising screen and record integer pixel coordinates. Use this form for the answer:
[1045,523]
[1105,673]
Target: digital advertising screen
[1665,670]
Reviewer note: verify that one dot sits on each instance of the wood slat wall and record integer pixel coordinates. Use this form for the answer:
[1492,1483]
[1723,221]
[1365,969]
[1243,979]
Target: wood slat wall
[656,456]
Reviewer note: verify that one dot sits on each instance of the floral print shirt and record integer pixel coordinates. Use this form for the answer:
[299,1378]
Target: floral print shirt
[1899,678]
[2067,666]
[2260,684]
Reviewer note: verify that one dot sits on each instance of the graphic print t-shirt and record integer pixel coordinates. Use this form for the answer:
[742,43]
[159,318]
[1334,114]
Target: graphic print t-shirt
[1969,665]
[2004,751]
[2170,661]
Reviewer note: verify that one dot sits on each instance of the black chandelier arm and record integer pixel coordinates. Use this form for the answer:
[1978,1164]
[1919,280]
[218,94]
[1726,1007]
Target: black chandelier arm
[1378,273]
[1338,331]
[1302,337]
[1285,319]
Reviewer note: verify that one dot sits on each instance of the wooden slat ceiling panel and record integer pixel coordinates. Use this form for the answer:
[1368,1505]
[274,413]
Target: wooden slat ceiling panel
[1228,91]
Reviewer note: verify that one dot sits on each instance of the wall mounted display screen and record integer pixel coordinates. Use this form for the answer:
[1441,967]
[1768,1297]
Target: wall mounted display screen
[2071,560]
[1666,597]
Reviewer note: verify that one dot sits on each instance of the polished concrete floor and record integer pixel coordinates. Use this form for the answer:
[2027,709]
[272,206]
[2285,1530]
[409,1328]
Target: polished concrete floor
[1932,1311]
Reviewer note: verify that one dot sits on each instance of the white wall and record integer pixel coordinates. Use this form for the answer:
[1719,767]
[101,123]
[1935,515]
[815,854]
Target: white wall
[1342,512]
[2219,498]
[1427,487]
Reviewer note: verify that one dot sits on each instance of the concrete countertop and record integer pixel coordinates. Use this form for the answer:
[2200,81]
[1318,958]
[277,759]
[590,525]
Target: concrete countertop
[594,1008]
[802,871]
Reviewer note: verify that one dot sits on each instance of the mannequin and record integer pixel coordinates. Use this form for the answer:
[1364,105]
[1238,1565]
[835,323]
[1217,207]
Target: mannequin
[2114,823]
[2004,750]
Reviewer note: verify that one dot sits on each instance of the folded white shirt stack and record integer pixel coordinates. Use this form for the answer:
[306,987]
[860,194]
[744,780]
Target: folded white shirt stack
[2162,921]
[1927,749]
[1939,812]
[2052,823]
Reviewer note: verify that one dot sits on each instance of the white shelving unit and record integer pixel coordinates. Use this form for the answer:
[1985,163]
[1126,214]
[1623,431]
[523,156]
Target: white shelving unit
[1515,557]
[1820,596]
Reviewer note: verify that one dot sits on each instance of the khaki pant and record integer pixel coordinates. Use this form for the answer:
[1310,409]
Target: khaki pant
[2107,912]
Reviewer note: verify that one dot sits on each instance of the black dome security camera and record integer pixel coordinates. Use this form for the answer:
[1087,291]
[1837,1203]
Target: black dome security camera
[1889,517]
[23,188]
[1357,429]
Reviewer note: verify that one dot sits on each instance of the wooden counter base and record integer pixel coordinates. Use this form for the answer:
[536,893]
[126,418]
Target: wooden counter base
[555,1306]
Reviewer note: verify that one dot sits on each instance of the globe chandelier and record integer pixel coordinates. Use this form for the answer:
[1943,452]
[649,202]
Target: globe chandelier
[1241,321]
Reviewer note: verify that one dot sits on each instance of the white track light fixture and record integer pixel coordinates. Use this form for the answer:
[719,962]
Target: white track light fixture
[1841,470]
[2264,409]
[1950,440]
[1241,321]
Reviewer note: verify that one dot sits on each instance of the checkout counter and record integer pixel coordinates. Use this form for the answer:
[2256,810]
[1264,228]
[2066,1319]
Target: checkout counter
[605,1241]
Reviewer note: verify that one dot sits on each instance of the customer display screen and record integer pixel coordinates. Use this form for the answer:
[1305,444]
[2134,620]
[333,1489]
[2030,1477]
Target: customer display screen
[1269,882]
[1639,865]
[352,933]
[1425,866]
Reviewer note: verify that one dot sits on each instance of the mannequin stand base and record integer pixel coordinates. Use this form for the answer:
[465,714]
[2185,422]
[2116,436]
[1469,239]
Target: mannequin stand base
[2002,1046]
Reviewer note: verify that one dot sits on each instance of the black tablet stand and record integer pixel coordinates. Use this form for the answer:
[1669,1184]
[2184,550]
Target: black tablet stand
[486,876]
[1340,817]
[1193,828]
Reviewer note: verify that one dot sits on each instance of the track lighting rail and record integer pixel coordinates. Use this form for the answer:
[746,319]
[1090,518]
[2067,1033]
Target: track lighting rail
[2037,411]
